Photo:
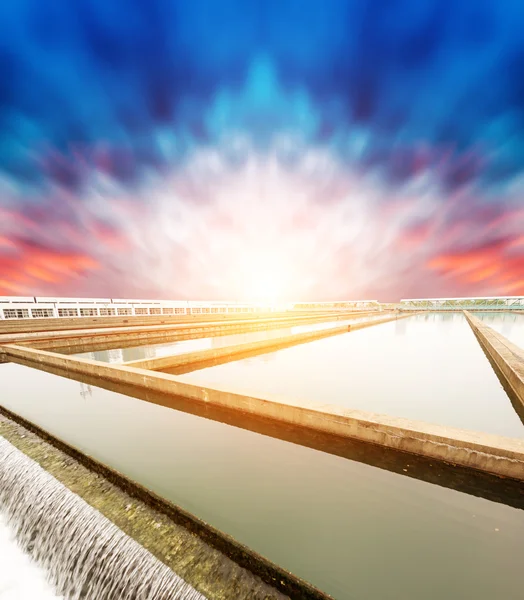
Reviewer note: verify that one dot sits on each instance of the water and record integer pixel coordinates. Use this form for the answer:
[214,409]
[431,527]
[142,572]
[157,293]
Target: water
[185,346]
[86,555]
[508,324]
[20,577]
[355,531]
[428,367]
[320,326]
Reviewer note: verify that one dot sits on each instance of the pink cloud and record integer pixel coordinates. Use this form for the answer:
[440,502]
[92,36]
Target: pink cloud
[159,241]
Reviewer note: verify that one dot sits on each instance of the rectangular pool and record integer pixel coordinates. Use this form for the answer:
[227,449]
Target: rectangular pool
[427,367]
[184,346]
[351,529]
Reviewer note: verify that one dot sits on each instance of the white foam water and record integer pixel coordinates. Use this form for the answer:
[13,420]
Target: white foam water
[85,556]
[20,577]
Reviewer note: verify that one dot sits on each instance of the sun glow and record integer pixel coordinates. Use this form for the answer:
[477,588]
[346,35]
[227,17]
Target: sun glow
[264,287]
[266,280]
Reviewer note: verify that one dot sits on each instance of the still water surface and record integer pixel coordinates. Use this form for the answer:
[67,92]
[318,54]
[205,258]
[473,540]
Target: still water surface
[508,324]
[185,346]
[427,367]
[355,531]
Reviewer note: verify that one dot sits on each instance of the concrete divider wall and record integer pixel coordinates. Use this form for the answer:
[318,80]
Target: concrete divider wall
[85,323]
[98,339]
[261,346]
[484,452]
[211,561]
[11,326]
[445,474]
[508,357]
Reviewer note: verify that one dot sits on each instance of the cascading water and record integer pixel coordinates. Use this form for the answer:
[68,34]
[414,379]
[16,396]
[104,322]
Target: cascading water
[84,554]
[20,577]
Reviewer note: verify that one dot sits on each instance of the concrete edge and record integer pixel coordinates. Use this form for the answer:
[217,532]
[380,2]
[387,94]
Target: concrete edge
[261,346]
[508,357]
[120,337]
[41,336]
[32,325]
[84,533]
[484,452]
[470,481]
[211,561]
[131,339]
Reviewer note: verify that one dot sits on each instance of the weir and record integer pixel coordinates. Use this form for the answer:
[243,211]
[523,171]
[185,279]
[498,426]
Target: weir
[263,491]
[470,481]
[124,486]
[158,538]
[85,555]
[20,576]
[491,453]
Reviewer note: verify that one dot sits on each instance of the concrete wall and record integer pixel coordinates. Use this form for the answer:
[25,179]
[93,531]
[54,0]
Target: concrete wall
[68,326]
[508,357]
[459,478]
[11,326]
[75,341]
[212,562]
[484,452]
[194,360]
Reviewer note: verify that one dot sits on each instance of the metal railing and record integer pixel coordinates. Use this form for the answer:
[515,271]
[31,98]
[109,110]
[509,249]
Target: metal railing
[456,304]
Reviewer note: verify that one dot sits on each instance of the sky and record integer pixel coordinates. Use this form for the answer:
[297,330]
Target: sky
[262,149]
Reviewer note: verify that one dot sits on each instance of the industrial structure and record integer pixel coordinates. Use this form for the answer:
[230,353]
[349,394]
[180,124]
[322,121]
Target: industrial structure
[136,459]
[459,304]
[33,307]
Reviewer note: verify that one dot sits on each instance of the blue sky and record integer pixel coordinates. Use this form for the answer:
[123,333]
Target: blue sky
[276,148]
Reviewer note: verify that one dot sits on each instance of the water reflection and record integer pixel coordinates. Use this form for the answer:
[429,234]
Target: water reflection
[483,485]
[85,390]
[205,343]
[142,353]
[435,372]
[401,327]
[509,324]
[311,512]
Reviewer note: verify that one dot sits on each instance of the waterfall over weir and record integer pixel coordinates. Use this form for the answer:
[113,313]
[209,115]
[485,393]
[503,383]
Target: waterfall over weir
[85,555]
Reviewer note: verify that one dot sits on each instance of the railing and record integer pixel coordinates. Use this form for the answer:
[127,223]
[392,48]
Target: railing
[13,307]
[457,304]
[27,307]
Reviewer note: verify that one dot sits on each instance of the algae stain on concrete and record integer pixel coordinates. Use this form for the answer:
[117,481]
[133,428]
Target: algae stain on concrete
[205,568]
